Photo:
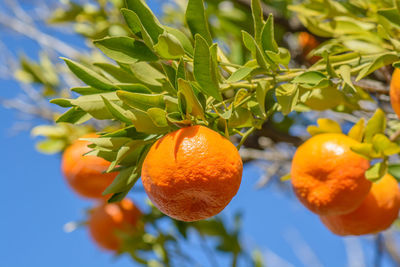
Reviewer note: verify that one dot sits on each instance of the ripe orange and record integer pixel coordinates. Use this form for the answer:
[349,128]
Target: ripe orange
[376,213]
[327,177]
[106,220]
[192,174]
[307,44]
[85,173]
[395,92]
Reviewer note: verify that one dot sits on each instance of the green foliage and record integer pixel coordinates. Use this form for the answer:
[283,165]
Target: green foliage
[230,70]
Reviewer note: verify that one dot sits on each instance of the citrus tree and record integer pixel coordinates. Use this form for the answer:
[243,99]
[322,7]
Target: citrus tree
[170,97]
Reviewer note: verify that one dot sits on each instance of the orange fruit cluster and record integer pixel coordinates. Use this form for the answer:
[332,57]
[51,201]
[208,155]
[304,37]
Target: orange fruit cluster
[192,174]
[86,176]
[329,179]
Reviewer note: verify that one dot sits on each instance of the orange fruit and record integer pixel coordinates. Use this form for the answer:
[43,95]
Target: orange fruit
[192,174]
[107,219]
[85,173]
[327,177]
[376,213]
[307,44]
[395,92]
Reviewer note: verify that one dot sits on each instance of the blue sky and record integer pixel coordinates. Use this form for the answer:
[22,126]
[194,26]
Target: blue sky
[36,203]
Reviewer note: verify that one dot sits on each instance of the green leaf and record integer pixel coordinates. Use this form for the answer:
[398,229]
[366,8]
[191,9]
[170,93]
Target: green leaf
[357,131]
[50,146]
[268,37]
[261,92]
[141,101]
[377,171]
[255,50]
[125,49]
[311,79]
[180,72]
[324,126]
[258,19]
[378,63]
[169,47]
[391,14]
[134,88]
[240,74]
[394,169]
[89,76]
[62,102]
[365,150]
[193,105]
[324,98]
[109,143]
[118,112]
[117,73]
[240,118]
[344,72]
[197,20]
[136,26]
[159,116]
[50,131]
[383,145]
[147,18]
[147,74]
[86,90]
[183,39]
[203,71]
[94,104]
[375,125]
[282,57]
[74,115]
[125,179]
[143,123]
[287,95]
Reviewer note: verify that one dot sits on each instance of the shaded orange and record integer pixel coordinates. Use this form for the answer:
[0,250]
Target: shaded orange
[85,174]
[327,177]
[395,92]
[307,44]
[107,219]
[376,213]
[192,174]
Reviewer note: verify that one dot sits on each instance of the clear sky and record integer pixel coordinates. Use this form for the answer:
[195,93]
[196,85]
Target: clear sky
[35,204]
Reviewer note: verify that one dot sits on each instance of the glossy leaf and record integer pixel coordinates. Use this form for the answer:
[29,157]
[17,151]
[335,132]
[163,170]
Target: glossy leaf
[357,131]
[141,101]
[147,18]
[324,126]
[193,105]
[89,76]
[375,125]
[287,95]
[197,20]
[268,36]
[169,47]
[125,49]
[203,69]
[377,171]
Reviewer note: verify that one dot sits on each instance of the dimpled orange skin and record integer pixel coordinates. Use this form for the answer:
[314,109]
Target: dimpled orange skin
[192,174]
[106,219]
[85,174]
[395,92]
[327,177]
[376,213]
